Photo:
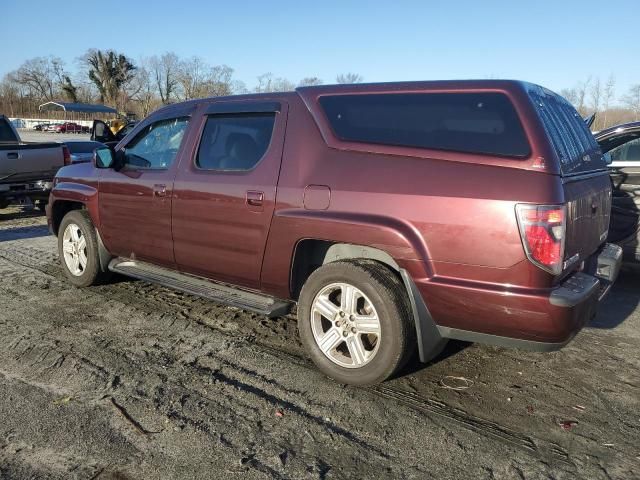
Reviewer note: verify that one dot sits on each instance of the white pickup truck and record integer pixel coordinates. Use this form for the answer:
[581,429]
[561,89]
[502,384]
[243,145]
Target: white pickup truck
[27,169]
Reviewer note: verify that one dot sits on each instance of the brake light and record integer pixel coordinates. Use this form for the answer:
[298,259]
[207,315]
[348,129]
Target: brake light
[66,155]
[543,231]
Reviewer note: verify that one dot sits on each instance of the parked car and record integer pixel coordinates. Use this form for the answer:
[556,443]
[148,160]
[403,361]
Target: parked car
[27,169]
[395,215]
[621,146]
[82,150]
[70,127]
[50,127]
[40,126]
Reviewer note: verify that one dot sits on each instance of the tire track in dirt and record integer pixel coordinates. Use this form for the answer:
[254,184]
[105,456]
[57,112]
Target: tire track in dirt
[416,402]
[36,359]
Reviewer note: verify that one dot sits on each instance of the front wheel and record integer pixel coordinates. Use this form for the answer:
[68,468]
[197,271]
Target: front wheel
[78,250]
[355,320]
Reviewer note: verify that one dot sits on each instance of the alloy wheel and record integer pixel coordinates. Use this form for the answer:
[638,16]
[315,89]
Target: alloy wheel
[345,325]
[74,249]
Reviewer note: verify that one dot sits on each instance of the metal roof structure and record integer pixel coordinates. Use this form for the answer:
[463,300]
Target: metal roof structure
[77,107]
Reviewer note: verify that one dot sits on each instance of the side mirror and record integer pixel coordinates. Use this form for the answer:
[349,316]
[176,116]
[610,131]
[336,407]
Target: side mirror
[103,157]
[607,158]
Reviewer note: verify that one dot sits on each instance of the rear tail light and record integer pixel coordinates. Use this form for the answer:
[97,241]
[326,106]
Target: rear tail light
[543,230]
[66,154]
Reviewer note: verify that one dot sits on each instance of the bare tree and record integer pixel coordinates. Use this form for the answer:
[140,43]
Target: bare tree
[309,81]
[570,94]
[282,85]
[11,95]
[266,83]
[349,78]
[197,79]
[145,94]
[238,87]
[192,78]
[581,94]
[165,71]
[42,76]
[632,101]
[607,95]
[220,81]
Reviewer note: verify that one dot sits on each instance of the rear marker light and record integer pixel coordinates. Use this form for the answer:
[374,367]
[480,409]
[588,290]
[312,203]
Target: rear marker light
[543,231]
[66,155]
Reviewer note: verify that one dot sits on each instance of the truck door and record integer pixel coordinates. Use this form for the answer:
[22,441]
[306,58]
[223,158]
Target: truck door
[135,200]
[100,132]
[622,147]
[224,195]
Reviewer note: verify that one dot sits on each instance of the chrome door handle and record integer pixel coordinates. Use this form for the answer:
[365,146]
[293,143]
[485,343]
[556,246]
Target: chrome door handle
[255,198]
[160,190]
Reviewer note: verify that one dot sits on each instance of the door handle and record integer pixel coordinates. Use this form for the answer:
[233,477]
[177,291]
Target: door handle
[160,190]
[255,198]
[13,155]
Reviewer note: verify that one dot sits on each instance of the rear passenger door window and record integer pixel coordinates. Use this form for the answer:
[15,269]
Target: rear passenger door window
[235,142]
[156,146]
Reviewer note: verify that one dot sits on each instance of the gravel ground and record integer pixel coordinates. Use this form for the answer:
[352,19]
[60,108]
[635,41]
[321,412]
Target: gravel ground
[130,380]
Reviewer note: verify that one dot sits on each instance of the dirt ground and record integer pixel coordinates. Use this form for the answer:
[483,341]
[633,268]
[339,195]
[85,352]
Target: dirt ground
[130,380]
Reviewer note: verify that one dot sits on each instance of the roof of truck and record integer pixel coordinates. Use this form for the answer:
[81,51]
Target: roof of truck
[413,85]
[363,87]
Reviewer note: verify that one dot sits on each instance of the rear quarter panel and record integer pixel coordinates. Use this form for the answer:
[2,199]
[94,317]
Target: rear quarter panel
[439,218]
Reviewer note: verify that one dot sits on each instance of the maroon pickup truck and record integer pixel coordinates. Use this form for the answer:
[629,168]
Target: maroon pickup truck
[396,216]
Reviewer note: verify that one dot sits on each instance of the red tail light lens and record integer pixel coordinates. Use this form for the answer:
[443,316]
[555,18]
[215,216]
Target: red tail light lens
[66,154]
[543,231]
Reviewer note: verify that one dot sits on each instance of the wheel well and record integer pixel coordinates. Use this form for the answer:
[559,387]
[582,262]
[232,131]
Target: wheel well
[59,209]
[310,254]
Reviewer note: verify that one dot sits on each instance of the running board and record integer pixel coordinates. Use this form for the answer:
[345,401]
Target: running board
[218,292]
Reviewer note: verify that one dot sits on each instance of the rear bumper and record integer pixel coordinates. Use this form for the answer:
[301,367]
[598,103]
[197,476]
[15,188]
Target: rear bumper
[38,189]
[539,320]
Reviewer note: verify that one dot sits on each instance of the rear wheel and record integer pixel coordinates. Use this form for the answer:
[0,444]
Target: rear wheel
[78,250]
[355,320]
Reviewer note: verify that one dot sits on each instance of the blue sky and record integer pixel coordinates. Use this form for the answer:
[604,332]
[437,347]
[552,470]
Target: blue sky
[554,43]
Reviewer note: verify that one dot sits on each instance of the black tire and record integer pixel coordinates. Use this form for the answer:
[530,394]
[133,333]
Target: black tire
[4,204]
[92,274]
[387,294]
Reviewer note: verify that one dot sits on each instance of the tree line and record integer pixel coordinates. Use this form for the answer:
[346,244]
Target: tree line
[594,95]
[139,87]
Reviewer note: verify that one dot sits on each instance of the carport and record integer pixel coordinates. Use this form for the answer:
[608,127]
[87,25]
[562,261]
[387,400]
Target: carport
[76,111]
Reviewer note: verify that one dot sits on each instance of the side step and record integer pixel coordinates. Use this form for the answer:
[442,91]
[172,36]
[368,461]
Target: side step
[218,292]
